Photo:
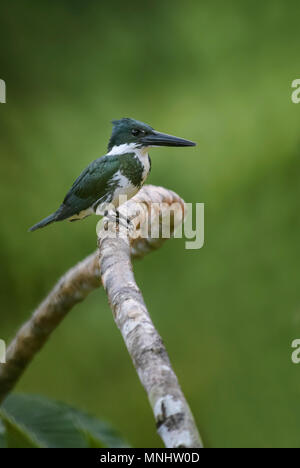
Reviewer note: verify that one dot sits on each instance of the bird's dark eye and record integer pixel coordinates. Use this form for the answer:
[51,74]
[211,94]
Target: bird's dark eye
[136,132]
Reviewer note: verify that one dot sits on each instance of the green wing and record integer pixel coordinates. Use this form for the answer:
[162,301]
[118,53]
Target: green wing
[92,184]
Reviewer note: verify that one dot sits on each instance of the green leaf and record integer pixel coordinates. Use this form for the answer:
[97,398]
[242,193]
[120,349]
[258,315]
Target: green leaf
[16,437]
[98,433]
[34,421]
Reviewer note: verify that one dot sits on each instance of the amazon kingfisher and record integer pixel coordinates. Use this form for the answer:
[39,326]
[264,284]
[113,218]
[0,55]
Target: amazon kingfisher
[119,174]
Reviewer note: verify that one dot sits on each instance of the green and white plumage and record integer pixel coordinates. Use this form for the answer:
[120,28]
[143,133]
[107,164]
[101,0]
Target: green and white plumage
[122,171]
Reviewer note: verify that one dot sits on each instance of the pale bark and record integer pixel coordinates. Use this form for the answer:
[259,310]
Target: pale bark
[174,420]
[72,288]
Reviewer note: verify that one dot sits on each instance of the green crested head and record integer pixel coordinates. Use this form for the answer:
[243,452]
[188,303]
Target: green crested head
[137,134]
[126,131]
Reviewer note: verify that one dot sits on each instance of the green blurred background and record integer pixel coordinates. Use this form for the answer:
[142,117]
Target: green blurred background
[219,73]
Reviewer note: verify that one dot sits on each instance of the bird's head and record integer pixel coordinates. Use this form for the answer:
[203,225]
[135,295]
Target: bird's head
[138,134]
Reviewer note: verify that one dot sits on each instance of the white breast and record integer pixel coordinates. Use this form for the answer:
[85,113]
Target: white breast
[143,156]
[141,153]
[124,191]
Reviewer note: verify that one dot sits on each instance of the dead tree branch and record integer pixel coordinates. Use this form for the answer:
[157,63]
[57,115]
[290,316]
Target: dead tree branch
[174,420]
[173,417]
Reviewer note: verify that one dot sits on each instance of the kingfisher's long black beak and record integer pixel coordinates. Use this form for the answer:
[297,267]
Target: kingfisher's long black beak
[162,139]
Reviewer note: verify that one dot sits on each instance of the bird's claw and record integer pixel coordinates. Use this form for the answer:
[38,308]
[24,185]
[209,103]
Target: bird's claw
[118,220]
[130,225]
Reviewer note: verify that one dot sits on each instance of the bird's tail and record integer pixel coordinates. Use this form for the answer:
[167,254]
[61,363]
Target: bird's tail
[50,219]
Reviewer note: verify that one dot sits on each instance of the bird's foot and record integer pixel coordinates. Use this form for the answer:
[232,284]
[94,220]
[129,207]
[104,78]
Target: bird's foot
[119,219]
[126,221]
